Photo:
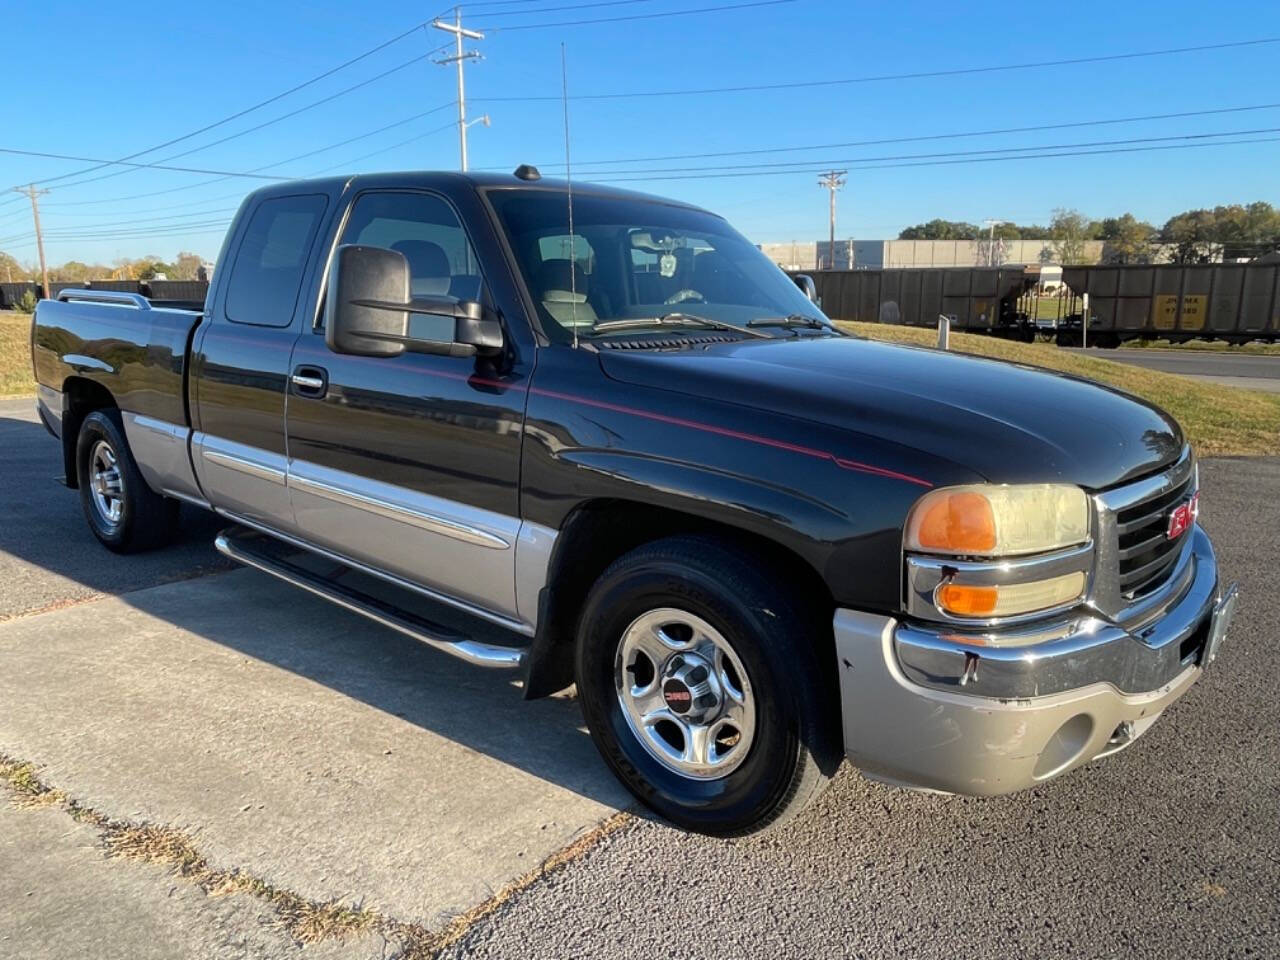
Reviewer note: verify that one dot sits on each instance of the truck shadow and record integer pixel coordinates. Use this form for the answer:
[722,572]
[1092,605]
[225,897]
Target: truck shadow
[48,556]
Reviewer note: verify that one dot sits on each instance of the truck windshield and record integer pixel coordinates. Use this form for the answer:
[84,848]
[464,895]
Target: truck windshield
[636,260]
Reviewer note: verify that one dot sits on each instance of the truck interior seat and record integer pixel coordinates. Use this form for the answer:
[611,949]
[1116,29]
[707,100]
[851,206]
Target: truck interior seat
[428,267]
[563,288]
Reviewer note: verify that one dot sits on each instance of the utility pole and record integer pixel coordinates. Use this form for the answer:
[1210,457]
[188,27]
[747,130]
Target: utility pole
[833,180]
[460,57]
[32,193]
[992,260]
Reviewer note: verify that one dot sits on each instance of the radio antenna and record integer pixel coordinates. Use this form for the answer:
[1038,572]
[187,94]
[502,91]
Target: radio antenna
[568,177]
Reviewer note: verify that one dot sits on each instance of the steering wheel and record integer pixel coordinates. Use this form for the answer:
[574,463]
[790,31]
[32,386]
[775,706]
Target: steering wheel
[685,296]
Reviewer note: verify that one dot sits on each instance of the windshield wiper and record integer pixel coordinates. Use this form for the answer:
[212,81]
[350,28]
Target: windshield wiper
[792,320]
[672,320]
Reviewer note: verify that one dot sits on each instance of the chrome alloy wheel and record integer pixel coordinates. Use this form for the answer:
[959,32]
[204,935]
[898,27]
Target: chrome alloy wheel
[685,694]
[106,483]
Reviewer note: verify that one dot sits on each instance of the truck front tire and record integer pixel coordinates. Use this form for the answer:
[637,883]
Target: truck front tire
[124,513]
[705,686]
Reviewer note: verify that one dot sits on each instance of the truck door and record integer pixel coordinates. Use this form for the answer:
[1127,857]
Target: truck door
[410,464]
[240,369]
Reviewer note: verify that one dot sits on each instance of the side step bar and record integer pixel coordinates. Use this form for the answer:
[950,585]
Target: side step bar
[268,555]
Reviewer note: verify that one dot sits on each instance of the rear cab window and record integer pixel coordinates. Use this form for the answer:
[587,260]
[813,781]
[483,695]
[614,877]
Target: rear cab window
[266,277]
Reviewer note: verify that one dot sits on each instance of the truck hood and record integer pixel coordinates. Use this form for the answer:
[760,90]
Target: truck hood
[1007,422]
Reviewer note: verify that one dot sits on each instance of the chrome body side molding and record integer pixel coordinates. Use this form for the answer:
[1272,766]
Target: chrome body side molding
[246,480]
[392,511]
[487,564]
[459,549]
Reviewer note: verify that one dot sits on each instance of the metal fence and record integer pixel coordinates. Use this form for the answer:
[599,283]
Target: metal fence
[185,292]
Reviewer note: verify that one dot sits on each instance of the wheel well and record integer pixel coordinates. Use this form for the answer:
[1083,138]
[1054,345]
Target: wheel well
[598,533]
[81,398]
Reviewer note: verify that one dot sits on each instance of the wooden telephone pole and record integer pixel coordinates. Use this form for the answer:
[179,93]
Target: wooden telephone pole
[32,193]
[833,181]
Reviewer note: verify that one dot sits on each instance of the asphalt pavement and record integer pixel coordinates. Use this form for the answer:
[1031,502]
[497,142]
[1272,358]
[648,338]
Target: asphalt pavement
[338,761]
[1255,371]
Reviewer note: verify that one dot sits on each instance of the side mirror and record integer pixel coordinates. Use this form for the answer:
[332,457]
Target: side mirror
[806,284]
[368,305]
[360,278]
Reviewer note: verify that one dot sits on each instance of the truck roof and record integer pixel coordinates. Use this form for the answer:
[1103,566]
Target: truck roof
[440,179]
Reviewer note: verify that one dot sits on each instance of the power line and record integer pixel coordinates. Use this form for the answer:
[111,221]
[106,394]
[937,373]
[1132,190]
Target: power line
[507,28]
[572,6]
[961,71]
[815,166]
[139,232]
[250,109]
[949,162]
[268,166]
[926,137]
[147,166]
[257,127]
[394,146]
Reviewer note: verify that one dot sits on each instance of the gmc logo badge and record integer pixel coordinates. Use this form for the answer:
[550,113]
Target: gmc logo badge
[679,696]
[1183,516]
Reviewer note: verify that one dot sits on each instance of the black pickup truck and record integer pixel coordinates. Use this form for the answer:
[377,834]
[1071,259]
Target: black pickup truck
[634,456]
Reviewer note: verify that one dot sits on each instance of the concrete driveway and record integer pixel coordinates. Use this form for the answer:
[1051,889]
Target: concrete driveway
[224,767]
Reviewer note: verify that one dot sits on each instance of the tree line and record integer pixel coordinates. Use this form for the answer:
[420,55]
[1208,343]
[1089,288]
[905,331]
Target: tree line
[184,266]
[1233,232]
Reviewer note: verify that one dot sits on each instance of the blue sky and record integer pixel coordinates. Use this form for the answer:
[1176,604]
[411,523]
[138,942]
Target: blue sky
[105,81]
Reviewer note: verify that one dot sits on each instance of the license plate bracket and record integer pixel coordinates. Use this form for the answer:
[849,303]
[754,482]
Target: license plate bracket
[1219,623]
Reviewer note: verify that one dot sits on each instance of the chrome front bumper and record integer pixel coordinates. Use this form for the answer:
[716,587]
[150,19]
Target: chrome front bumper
[928,708]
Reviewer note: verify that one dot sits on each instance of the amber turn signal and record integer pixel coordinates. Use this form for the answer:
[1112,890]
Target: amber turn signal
[962,601]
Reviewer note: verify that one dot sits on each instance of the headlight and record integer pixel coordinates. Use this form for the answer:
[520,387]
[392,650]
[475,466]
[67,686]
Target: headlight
[985,552]
[985,520]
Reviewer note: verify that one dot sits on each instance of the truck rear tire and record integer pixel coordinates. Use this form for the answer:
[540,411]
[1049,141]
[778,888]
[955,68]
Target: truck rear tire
[707,686]
[124,513]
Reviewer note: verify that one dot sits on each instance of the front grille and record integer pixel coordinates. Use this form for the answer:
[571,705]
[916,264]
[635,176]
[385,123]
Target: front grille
[1145,554]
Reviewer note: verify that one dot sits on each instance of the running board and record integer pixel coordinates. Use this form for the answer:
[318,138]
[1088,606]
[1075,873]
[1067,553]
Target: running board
[272,556]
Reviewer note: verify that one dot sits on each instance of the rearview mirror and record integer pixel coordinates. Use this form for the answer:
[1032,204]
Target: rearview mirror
[368,305]
[807,286]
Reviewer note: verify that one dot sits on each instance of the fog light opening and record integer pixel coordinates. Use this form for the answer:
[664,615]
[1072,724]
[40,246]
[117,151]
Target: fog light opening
[1064,747]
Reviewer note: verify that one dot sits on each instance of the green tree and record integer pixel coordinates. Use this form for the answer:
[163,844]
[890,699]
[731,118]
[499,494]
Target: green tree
[1126,239]
[186,266]
[1069,229]
[1192,235]
[941,230]
[11,271]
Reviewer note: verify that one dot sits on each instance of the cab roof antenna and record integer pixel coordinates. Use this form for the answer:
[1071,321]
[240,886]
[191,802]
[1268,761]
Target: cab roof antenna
[568,179]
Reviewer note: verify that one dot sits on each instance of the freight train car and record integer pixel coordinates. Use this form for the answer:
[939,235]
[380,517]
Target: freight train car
[1236,302]
[977,299]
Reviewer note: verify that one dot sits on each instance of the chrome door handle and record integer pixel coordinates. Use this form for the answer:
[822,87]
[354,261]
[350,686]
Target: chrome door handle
[309,381]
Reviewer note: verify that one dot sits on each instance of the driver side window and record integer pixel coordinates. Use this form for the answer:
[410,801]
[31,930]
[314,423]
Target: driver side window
[423,228]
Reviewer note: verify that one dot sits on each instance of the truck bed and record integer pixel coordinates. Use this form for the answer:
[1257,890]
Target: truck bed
[132,347]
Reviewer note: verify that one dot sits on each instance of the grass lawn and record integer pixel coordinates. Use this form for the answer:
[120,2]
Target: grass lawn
[1218,420]
[15,354]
